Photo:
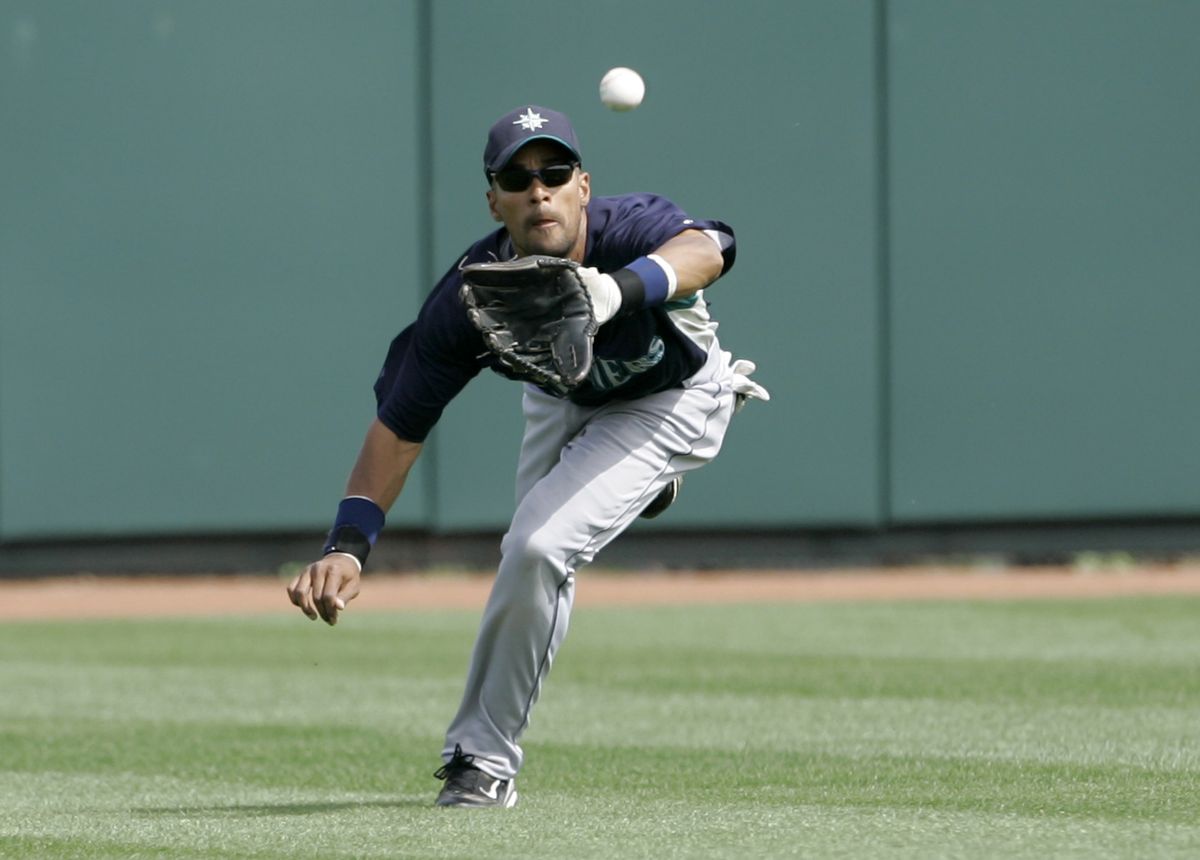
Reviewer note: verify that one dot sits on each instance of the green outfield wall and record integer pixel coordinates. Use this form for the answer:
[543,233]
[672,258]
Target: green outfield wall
[969,246]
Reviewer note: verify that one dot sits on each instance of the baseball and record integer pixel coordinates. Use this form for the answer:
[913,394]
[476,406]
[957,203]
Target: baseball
[622,88]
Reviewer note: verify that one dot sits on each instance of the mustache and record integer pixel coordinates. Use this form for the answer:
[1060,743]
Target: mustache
[542,216]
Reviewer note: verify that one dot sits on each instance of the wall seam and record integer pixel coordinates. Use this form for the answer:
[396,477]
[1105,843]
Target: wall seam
[425,227]
[883,254]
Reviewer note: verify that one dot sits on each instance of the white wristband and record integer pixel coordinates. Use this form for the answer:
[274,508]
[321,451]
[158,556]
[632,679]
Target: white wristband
[350,556]
[669,270]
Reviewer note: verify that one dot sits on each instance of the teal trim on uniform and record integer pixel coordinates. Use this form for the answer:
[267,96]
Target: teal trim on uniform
[681,304]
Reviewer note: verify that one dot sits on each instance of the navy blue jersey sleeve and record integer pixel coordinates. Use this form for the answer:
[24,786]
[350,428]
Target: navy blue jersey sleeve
[428,363]
[621,229]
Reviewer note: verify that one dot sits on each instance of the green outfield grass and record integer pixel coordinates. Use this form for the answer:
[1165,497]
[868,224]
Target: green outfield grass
[1022,729]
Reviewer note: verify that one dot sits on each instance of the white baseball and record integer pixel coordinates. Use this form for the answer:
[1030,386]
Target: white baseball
[622,88]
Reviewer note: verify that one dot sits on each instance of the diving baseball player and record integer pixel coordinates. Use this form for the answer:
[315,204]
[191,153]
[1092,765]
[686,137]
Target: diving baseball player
[595,304]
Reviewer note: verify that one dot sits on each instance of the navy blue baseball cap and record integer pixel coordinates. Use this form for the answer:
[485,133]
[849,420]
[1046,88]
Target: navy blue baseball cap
[519,127]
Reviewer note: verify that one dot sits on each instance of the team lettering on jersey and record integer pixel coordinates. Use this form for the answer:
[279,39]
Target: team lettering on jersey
[608,373]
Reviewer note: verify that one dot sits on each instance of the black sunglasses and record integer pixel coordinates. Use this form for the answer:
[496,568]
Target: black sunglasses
[518,178]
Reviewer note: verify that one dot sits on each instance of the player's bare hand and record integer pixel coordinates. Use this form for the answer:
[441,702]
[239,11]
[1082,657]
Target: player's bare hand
[326,586]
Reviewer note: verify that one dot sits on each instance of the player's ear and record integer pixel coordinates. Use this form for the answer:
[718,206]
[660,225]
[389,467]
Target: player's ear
[491,199]
[585,187]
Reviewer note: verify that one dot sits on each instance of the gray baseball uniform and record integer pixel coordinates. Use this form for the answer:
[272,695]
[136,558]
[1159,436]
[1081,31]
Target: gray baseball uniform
[655,405]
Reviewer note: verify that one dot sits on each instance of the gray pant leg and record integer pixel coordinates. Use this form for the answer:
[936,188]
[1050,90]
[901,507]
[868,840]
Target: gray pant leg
[594,486]
[523,625]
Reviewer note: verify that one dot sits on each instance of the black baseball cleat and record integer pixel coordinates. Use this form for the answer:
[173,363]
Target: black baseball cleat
[467,785]
[665,498]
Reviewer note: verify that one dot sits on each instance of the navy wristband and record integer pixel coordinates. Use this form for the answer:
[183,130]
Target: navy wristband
[643,284]
[356,528]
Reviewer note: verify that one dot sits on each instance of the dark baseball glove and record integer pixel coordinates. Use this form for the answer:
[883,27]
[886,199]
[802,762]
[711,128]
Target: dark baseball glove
[536,316]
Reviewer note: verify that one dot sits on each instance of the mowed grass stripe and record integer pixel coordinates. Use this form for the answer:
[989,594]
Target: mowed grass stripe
[620,824]
[917,729]
[284,758]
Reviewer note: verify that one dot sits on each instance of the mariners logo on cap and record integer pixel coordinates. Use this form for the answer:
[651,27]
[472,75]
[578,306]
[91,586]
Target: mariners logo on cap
[521,125]
[529,120]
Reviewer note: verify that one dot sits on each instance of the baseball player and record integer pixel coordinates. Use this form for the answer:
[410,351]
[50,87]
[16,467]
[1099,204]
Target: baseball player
[655,404]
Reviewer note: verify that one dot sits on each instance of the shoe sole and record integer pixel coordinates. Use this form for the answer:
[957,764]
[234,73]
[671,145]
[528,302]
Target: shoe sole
[507,802]
[665,498]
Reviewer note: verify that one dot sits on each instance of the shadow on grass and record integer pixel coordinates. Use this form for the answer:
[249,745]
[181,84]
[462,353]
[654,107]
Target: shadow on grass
[254,810]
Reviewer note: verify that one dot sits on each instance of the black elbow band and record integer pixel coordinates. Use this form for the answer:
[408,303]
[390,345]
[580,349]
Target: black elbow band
[349,539]
[633,290]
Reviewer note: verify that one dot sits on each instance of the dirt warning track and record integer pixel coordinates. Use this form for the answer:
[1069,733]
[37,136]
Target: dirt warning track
[118,597]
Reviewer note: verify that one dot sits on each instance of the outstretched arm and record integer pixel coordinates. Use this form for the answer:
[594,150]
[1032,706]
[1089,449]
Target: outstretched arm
[327,585]
[382,466]
[680,267]
[696,259]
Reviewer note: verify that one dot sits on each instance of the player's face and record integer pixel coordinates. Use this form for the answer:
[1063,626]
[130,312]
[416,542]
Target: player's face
[544,219]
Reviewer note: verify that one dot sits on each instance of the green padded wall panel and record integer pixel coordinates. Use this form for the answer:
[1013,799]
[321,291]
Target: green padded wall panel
[207,220]
[758,114]
[1045,249]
